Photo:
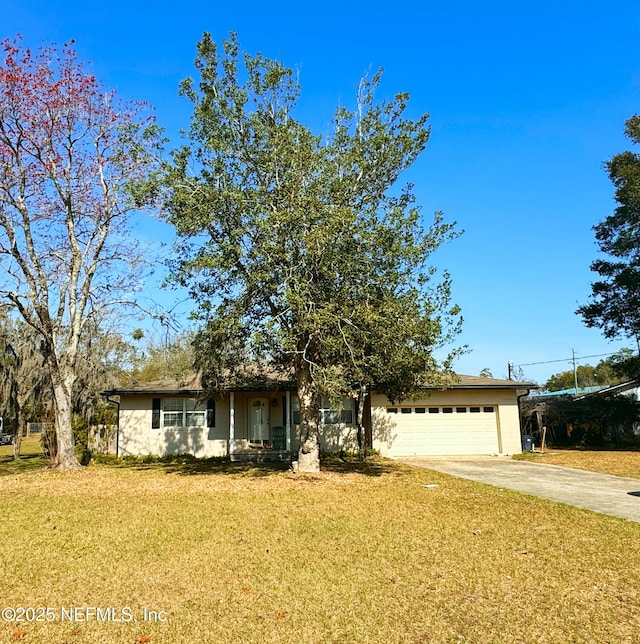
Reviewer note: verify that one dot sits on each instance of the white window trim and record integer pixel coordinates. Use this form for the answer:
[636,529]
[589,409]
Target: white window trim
[325,410]
[199,408]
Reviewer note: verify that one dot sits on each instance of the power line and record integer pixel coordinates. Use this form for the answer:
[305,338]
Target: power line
[597,355]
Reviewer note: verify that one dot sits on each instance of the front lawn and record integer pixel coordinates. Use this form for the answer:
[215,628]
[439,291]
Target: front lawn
[229,553]
[31,457]
[617,462]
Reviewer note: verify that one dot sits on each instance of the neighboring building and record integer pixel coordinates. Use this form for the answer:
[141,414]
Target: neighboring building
[473,416]
[580,391]
[628,388]
[568,414]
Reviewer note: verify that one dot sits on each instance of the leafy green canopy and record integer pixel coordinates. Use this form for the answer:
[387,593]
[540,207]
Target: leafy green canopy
[619,367]
[295,246]
[615,298]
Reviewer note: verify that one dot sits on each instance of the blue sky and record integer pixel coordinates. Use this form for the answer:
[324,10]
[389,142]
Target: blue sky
[527,99]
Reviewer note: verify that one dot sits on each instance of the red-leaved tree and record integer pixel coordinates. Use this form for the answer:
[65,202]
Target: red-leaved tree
[70,159]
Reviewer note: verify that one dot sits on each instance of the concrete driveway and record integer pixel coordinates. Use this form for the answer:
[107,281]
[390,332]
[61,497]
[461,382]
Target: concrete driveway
[615,495]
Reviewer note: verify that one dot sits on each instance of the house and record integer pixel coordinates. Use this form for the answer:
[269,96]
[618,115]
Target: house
[573,415]
[473,416]
[627,388]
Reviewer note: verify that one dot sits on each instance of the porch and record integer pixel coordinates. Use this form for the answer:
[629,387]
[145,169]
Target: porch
[260,425]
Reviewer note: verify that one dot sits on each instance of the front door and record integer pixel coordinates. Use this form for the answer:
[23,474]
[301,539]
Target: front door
[259,420]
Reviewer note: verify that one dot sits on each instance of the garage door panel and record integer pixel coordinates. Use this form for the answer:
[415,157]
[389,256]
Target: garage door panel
[434,434]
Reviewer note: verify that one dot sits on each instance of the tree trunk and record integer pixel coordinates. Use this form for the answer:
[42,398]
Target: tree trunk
[20,426]
[362,442]
[309,452]
[18,433]
[65,458]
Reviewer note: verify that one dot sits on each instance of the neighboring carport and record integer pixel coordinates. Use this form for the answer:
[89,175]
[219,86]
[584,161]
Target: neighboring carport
[615,495]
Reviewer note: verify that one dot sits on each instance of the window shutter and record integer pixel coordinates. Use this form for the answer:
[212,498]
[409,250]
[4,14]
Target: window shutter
[155,413]
[211,412]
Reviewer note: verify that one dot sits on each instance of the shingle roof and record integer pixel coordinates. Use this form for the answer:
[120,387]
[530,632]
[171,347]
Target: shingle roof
[473,382]
[191,385]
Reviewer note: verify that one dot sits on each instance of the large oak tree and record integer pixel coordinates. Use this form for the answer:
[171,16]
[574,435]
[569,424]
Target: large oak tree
[302,250]
[69,154]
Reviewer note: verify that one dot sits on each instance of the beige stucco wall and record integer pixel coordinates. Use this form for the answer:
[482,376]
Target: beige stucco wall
[138,438]
[455,434]
[464,433]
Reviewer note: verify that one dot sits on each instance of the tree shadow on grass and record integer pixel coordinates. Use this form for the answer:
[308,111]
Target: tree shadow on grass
[27,463]
[187,465]
[370,466]
[191,466]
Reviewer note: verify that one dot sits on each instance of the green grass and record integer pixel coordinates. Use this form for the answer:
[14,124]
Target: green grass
[30,457]
[237,553]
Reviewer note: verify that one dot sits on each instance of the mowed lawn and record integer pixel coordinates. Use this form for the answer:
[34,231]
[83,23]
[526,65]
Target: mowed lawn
[383,553]
[616,462]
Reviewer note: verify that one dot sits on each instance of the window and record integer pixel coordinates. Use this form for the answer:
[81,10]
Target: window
[420,410]
[461,410]
[331,416]
[474,410]
[434,410]
[488,410]
[183,413]
[447,410]
[328,415]
[405,410]
[392,410]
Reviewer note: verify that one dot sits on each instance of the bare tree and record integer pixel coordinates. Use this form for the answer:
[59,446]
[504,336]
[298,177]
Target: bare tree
[70,159]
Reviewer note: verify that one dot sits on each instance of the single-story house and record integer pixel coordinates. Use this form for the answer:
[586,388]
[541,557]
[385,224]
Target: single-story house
[473,416]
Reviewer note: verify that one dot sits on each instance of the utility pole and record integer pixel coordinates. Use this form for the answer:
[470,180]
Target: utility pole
[575,371]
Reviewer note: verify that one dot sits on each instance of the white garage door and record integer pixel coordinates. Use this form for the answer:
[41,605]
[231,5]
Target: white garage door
[439,431]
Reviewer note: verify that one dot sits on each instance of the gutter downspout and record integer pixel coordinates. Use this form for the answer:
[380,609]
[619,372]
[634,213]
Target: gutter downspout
[117,404]
[519,415]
